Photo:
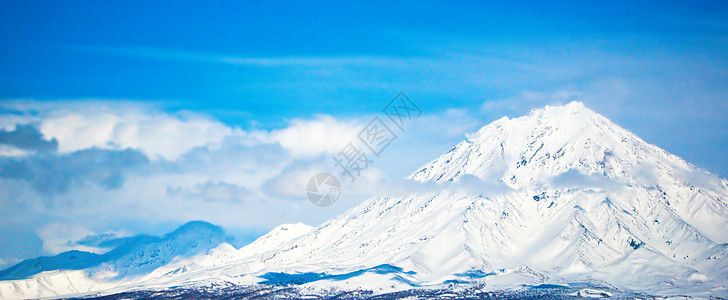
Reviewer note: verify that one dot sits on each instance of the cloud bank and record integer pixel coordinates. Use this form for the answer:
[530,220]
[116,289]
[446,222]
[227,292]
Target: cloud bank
[81,169]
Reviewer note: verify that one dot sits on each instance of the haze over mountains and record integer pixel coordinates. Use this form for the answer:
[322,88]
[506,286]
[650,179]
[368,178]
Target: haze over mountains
[559,196]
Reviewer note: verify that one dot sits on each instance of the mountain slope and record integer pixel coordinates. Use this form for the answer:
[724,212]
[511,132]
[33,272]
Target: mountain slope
[562,192]
[136,255]
[70,260]
[546,145]
[188,240]
[75,259]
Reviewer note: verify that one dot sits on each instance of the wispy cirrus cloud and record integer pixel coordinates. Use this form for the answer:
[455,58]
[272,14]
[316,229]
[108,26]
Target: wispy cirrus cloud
[433,59]
[280,61]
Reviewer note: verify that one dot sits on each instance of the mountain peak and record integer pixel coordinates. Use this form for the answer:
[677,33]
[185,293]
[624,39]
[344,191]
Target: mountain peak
[572,114]
[195,227]
[574,111]
[573,106]
[547,142]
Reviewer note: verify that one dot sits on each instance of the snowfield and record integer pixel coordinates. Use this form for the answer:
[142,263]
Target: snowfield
[561,201]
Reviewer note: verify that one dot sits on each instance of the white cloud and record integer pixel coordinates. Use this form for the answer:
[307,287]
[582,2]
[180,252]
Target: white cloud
[292,181]
[8,122]
[6,263]
[84,124]
[6,150]
[157,135]
[211,191]
[529,99]
[323,134]
[59,237]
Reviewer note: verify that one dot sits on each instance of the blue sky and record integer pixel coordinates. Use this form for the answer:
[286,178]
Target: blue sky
[131,117]
[174,51]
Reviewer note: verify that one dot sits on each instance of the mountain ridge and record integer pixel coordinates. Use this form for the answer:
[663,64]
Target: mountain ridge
[79,260]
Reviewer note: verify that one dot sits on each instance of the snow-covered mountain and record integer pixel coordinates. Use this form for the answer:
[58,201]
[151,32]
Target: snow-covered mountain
[69,260]
[135,255]
[559,196]
[78,271]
